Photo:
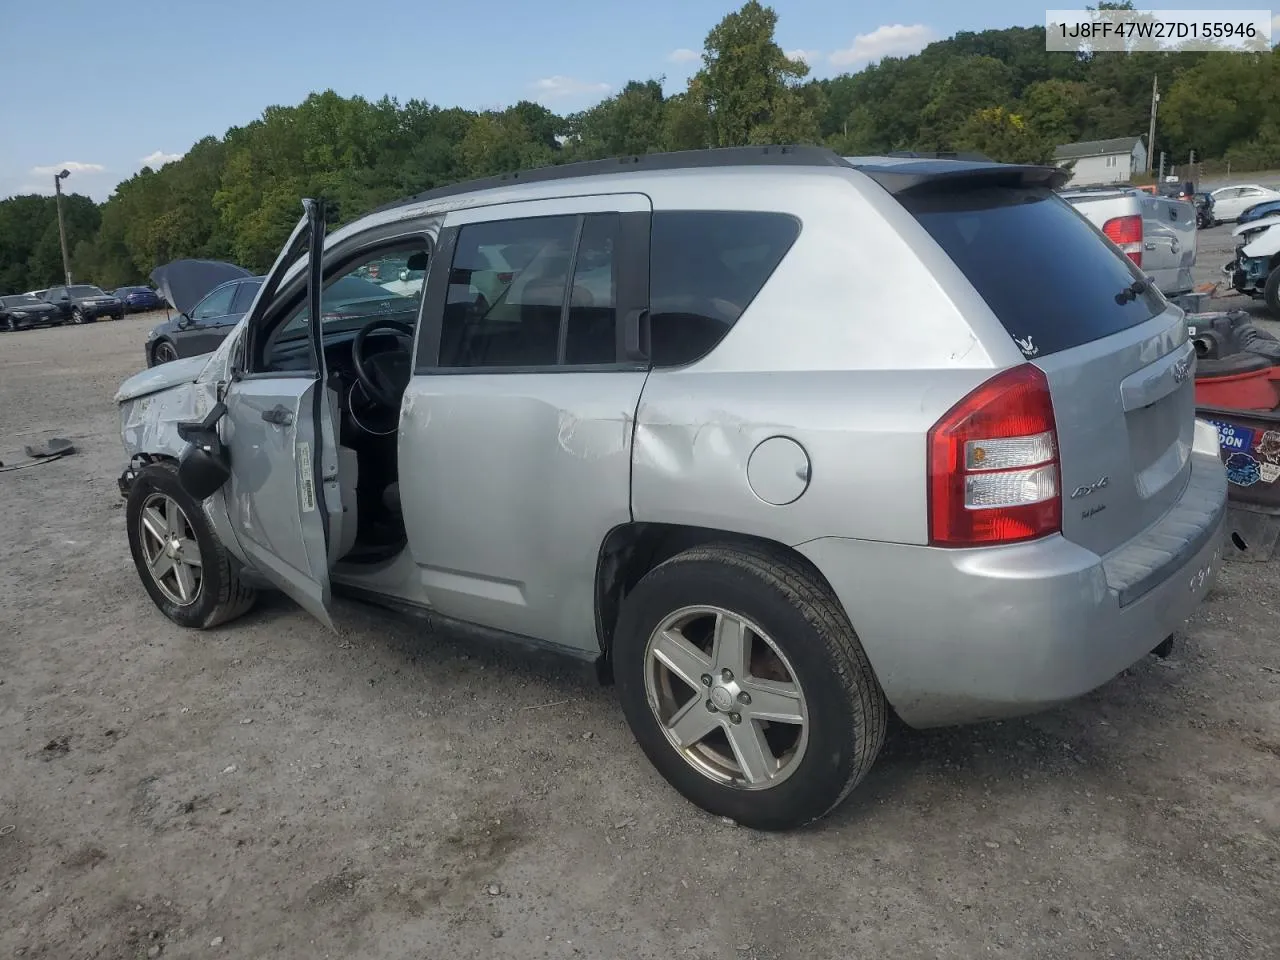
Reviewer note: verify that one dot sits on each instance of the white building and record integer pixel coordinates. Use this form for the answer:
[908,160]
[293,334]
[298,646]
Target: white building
[1103,161]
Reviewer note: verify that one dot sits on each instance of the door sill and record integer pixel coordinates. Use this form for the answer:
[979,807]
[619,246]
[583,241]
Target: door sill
[455,630]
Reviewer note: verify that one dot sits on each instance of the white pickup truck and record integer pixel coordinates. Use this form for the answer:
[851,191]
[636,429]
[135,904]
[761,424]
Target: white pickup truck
[1156,233]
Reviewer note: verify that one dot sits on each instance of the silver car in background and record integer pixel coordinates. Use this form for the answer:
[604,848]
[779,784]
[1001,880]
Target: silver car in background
[777,440]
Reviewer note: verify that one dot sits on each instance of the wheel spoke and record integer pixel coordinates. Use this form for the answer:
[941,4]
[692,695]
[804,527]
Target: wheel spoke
[186,582]
[732,645]
[693,722]
[752,751]
[173,515]
[681,657]
[161,566]
[190,553]
[155,523]
[771,700]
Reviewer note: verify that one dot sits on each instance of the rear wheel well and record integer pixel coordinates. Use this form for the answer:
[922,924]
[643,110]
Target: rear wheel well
[633,549]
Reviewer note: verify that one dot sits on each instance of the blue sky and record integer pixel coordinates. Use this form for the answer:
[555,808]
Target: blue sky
[107,85]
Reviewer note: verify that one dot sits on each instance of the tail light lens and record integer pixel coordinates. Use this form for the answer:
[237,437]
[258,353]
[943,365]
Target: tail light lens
[993,465]
[1126,233]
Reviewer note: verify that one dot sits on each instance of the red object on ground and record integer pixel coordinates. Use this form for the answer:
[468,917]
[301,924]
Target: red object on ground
[1252,390]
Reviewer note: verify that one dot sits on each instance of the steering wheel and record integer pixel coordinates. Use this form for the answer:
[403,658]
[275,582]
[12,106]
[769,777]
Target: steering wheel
[384,376]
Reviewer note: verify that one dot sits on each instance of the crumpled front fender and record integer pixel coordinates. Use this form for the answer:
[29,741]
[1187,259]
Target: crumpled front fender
[149,423]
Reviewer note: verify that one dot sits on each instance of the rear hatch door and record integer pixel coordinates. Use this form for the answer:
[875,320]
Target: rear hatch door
[1116,354]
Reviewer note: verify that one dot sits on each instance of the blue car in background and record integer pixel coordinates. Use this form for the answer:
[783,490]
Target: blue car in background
[1259,210]
[138,299]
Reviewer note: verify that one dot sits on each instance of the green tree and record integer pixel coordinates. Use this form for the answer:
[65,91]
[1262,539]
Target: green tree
[1004,136]
[749,82]
[629,123]
[965,86]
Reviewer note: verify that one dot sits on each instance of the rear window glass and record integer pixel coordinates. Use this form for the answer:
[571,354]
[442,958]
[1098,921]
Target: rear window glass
[1044,271]
[705,268]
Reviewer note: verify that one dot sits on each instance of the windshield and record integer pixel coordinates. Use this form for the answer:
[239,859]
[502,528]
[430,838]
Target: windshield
[1047,274]
[85,292]
[370,290]
[25,300]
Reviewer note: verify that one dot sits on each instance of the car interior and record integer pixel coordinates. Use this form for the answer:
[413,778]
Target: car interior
[368,332]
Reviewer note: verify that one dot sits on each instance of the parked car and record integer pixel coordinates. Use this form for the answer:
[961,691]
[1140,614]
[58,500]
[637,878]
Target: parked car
[718,477]
[1204,210]
[82,303]
[1255,269]
[138,299]
[22,311]
[1157,233]
[211,297]
[1259,210]
[1230,202]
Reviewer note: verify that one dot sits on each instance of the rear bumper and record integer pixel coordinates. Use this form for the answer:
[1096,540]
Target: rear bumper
[959,636]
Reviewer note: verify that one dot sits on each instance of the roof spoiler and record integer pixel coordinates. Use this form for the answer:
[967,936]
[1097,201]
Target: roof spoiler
[908,177]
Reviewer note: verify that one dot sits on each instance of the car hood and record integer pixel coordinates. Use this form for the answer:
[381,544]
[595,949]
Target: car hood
[1262,223]
[184,283]
[162,377]
[32,308]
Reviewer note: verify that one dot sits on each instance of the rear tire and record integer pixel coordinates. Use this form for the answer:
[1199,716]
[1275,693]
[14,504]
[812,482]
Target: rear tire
[218,595]
[793,622]
[1271,292]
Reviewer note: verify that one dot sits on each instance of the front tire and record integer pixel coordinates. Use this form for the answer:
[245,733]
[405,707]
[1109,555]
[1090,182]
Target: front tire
[745,685]
[182,564]
[1271,292]
[78,317]
[163,352]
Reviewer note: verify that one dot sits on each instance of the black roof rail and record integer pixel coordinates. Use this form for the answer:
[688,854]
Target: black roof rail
[775,156]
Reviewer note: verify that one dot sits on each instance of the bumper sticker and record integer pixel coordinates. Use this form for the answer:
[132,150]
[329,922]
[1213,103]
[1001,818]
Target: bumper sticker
[1242,470]
[1233,438]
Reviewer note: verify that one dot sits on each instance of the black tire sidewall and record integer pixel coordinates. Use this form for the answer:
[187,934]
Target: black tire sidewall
[813,788]
[1271,291]
[160,478]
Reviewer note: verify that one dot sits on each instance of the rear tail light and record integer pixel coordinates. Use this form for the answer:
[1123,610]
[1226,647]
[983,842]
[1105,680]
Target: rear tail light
[993,465]
[1126,233]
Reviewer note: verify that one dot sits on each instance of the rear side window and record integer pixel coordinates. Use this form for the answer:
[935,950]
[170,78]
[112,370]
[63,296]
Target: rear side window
[245,293]
[1041,267]
[705,268]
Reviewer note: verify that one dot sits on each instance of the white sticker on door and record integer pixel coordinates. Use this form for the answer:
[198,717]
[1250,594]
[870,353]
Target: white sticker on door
[306,478]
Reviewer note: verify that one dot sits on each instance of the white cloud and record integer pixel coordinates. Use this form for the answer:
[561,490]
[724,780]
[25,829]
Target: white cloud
[684,55]
[560,88]
[808,56]
[886,41]
[159,158]
[75,166]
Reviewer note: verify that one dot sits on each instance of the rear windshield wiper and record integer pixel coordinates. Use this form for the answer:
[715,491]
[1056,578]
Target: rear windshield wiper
[1131,292]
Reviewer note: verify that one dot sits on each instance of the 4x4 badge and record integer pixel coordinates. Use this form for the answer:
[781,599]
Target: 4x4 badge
[1181,370]
[1089,488]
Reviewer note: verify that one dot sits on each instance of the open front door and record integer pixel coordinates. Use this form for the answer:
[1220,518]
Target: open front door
[283,497]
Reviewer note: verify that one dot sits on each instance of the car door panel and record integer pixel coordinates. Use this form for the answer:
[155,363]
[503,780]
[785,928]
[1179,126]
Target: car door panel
[520,475]
[283,500]
[272,485]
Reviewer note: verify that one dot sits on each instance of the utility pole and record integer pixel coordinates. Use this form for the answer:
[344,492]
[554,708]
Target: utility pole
[1151,131]
[62,230]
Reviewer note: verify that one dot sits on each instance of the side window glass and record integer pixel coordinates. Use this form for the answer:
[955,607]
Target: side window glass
[705,268]
[591,336]
[216,304]
[506,291]
[245,292]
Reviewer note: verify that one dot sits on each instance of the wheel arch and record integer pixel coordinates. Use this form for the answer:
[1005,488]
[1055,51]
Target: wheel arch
[631,550]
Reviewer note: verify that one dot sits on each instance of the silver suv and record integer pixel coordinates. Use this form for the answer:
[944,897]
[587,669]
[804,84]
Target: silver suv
[776,439]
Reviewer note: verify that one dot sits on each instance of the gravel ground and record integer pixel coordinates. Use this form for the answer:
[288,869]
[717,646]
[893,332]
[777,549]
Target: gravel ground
[271,789]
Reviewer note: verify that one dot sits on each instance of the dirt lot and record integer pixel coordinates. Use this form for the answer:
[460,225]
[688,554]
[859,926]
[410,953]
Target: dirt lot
[270,789]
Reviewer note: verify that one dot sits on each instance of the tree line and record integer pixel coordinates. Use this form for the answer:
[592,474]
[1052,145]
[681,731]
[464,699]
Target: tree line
[998,92]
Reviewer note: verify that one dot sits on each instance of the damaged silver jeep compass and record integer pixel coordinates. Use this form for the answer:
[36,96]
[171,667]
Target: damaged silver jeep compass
[776,439]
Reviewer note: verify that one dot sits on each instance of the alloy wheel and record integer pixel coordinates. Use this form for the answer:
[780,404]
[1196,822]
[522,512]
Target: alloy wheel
[164,353]
[170,549]
[726,697]
[77,316]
